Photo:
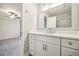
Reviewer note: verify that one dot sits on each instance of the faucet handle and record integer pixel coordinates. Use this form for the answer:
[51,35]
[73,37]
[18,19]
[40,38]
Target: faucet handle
[49,30]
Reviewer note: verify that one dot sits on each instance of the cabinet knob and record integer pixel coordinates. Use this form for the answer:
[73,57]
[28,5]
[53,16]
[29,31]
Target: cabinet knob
[70,43]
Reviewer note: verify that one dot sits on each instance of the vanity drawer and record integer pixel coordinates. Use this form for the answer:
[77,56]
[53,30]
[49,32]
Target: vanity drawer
[31,42]
[70,43]
[69,52]
[50,39]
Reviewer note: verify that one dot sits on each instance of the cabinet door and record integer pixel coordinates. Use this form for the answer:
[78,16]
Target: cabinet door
[69,52]
[39,48]
[52,50]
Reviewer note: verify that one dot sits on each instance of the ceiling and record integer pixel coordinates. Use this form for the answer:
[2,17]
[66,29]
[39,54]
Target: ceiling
[12,7]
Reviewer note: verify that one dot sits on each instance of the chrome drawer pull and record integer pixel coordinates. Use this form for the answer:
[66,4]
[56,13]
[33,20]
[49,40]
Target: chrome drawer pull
[43,46]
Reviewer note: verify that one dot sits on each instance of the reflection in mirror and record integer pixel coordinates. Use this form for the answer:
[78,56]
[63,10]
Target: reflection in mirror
[57,17]
[51,22]
[63,20]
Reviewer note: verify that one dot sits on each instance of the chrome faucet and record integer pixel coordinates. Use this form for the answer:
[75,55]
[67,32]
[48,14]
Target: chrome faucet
[53,30]
[50,30]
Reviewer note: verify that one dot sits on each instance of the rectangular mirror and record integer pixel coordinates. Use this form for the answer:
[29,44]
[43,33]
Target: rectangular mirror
[64,16]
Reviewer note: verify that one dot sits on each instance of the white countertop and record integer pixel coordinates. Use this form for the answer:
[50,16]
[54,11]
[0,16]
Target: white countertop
[72,36]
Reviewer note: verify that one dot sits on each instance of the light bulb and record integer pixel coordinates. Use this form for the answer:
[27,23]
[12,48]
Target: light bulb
[12,16]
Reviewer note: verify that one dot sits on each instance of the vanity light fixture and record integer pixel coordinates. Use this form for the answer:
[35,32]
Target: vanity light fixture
[12,15]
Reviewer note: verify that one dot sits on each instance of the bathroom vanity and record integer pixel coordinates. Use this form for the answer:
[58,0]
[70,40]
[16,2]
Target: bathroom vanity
[53,45]
[60,19]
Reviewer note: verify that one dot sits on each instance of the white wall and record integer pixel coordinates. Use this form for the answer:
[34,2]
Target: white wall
[29,22]
[75,16]
[9,28]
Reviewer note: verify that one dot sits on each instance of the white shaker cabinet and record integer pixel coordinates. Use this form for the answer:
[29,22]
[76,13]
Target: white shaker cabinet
[70,47]
[52,49]
[39,48]
[69,52]
[46,49]
[47,46]
[43,45]
[40,45]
